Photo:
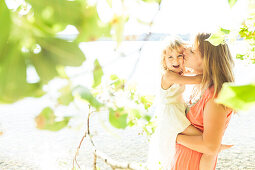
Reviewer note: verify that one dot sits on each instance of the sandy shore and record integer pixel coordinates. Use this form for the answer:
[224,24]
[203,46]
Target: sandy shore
[22,146]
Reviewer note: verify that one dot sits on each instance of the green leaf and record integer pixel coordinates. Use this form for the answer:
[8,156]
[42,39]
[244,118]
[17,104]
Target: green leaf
[114,77]
[136,113]
[217,38]
[85,94]
[225,31]
[44,66]
[232,3]
[55,53]
[97,73]
[239,56]
[118,118]
[66,95]
[147,117]
[237,97]
[146,101]
[109,3]
[34,90]
[5,28]
[118,24]
[131,123]
[46,120]
[62,52]
[58,13]
[55,15]
[150,1]
[13,83]
[91,21]
[119,84]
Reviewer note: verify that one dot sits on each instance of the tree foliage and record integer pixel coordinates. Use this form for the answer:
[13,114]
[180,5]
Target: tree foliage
[29,39]
[234,96]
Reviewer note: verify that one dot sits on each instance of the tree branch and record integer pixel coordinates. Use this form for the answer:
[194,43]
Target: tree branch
[98,154]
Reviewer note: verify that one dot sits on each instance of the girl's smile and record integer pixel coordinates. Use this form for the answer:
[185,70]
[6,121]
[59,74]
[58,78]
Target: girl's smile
[176,66]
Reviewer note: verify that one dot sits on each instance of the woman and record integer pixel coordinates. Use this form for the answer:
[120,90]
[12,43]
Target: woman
[215,63]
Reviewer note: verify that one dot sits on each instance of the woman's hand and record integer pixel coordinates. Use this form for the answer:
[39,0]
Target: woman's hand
[223,147]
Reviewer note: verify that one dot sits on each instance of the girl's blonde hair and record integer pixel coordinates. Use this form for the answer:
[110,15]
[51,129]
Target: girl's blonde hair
[170,43]
[217,63]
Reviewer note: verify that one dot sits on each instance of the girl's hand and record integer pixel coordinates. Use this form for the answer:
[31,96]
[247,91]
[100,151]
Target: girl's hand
[188,71]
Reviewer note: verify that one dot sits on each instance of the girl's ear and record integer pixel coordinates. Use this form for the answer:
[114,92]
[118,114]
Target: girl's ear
[164,62]
[164,52]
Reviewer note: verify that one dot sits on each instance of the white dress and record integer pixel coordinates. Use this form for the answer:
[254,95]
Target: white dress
[170,120]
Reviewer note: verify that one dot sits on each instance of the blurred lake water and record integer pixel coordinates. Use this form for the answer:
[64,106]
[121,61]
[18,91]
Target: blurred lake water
[22,146]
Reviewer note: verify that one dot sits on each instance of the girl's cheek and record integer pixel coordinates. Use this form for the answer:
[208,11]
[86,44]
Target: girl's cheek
[181,61]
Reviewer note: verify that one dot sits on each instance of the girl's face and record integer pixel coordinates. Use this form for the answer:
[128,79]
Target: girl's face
[174,60]
[193,58]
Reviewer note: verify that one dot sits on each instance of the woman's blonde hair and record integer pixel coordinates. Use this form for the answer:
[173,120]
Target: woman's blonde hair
[217,63]
[170,43]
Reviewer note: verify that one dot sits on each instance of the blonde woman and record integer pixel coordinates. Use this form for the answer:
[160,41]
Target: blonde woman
[215,63]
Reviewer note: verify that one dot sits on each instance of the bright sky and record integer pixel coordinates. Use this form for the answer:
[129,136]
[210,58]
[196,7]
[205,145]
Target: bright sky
[188,16]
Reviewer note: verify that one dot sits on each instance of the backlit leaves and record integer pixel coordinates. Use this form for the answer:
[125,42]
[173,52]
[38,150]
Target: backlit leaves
[5,22]
[217,38]
[13,83]
[117,83]
[46,120]
[237,97]
[146,101]
[97,73]
[66,96]
[157,1]
[38,28]
[232,3]
[118,117]
[225,31]
[85,94]
[118,24]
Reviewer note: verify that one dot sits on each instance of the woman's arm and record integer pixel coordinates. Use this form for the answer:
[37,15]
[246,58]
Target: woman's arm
[191,131]
[214,124]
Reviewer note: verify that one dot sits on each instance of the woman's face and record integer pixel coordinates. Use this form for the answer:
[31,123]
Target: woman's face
[193,58]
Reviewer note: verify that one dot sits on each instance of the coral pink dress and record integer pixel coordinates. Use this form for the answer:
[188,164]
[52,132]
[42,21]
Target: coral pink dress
[185,158]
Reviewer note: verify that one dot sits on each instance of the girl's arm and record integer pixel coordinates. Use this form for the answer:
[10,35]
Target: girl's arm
[170,77]
[214,124]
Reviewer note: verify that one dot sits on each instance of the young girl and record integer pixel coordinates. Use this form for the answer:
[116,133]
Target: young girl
[170,114]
